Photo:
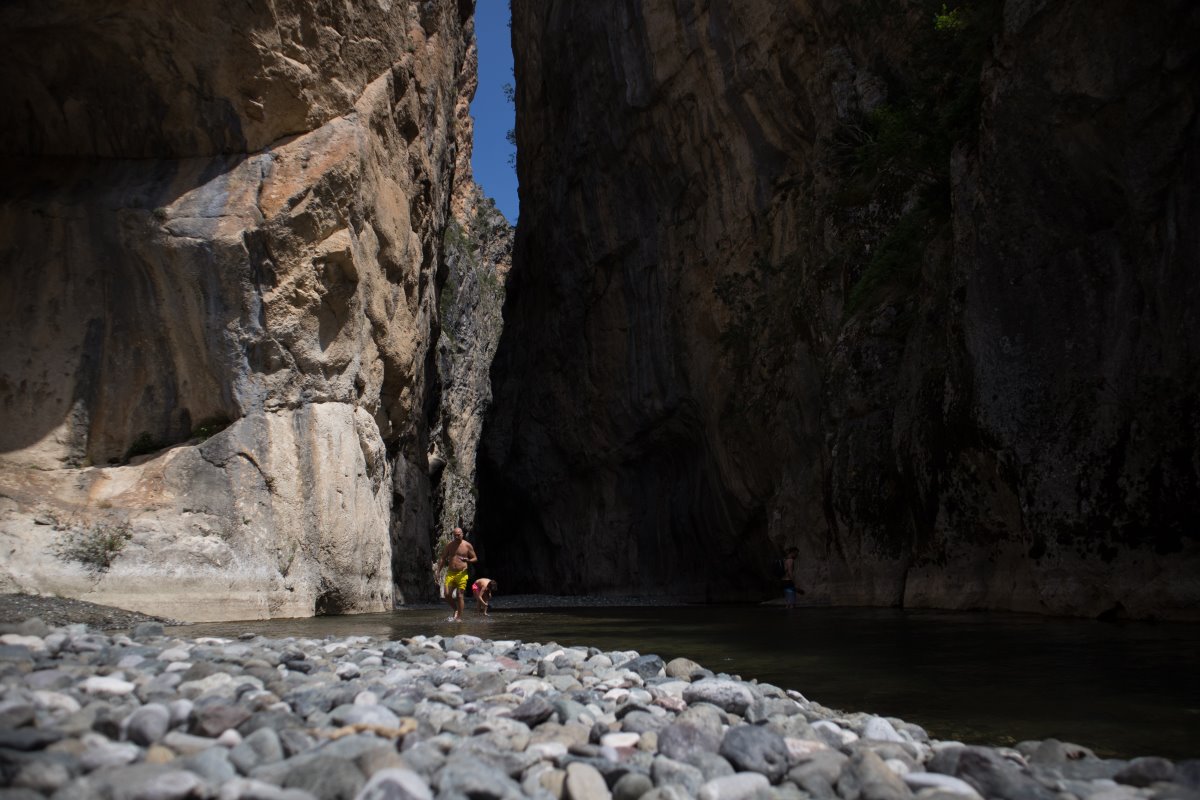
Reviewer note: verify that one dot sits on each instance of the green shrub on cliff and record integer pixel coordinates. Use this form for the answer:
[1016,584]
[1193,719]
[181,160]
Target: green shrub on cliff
[96,547]
[896,158]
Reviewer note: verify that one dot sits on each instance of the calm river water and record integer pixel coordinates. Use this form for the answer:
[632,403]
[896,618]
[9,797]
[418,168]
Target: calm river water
[1124,689]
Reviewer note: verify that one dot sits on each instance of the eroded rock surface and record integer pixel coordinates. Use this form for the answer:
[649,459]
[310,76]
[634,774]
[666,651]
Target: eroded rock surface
[906,286]
[478,257]
[223,226]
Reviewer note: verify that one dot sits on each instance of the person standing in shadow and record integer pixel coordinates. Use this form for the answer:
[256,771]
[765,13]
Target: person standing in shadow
[789,576]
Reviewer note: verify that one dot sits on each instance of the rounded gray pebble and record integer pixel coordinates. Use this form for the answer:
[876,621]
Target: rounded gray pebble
[724,694]
[667,771]
[756,748]
[148,724]
[327,777]
[395,784]
[631,786]
[680,739]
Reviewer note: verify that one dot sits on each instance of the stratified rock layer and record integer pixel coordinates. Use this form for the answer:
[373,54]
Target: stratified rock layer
[223,224]
[909,287]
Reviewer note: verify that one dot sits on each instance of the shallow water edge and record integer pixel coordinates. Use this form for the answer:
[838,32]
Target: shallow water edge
[1122,689]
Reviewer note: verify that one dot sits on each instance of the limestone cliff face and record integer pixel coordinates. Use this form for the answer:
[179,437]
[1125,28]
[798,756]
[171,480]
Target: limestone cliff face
[478,257]
[223,226]
[904,285]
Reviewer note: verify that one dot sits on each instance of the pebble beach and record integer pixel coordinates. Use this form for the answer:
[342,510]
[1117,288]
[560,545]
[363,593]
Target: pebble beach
[86,713]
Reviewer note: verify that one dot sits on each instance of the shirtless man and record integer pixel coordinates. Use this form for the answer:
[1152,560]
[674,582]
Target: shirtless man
[458,554]
[483,589]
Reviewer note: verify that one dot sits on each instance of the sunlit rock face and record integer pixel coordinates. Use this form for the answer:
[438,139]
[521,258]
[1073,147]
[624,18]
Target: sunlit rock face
[477,259]
[222,225]
[909,288]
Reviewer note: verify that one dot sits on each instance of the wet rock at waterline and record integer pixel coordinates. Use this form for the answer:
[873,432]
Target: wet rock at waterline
[86,714]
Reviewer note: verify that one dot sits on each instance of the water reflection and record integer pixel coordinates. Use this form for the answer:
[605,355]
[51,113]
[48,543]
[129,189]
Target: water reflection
[1124,689]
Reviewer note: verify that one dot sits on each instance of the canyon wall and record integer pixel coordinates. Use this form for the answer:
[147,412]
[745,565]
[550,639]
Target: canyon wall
[223,229]
[908,286]
[477,258]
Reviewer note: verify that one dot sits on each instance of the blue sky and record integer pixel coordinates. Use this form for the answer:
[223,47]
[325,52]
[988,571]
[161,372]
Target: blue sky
[492,112]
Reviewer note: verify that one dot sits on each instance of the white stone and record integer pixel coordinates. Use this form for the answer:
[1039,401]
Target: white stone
[547,749]
[630,678]
[229,738]
[397,783]
[619,740]
[734,787]
[56,701]
[181,709]
[947,783]
[175,654]
[396,676]
[880,730]
[101,684]
[366,698]
[897,766]
[844,735]
[527,687]
[217,680]
[34,643]
[258,698]
[599,662]
[799,748]
[239,788]
[1116,793]
[100,752]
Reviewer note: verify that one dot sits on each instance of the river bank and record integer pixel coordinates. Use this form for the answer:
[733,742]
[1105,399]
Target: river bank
[16,608]
[93,714]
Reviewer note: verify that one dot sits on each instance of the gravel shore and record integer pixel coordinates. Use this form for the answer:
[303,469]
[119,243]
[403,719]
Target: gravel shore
[145,716]
[57,611]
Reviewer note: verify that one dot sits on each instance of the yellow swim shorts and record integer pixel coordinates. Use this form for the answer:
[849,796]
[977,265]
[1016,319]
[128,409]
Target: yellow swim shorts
[456,579]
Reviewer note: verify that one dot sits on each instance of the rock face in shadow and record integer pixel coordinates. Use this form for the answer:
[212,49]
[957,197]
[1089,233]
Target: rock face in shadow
[223,228]
[907,286]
